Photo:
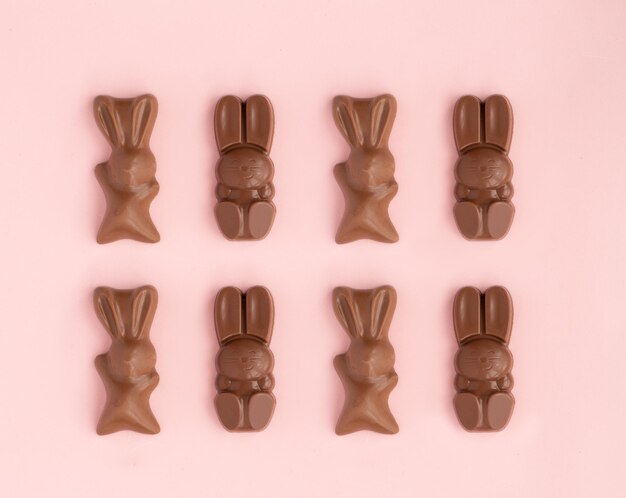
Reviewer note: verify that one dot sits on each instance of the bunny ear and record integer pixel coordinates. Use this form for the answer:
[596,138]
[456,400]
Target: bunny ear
[382,115]
[228,122]
[144,303]
[347,120]
[144,112]
[498,313]
[259,313]
[383,305]
[467,122]
[467,313]
[347,311]
[108,120]
[108,311]
[259,122]
[228,313]
[498,122]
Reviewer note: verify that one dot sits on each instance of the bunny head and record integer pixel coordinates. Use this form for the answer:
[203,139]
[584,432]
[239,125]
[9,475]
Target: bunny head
[482,132]
[127,316]
[366,125]
[127,125]
[366,316]
[244,133]
[244,325]
[482,323]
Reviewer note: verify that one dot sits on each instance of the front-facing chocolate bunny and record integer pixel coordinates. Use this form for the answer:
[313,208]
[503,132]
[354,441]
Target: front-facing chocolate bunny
[244,133]
[482,323]
[128,368]
[482,131]
[244,323]
[128,177]
[366,178]
[367,368]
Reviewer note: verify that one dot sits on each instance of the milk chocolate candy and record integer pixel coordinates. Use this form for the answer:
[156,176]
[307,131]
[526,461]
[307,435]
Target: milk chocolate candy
[128,177]
[366,178]
[482,323]
[244,323]
[366,369]
[128,368]
[482,131]
[244,133]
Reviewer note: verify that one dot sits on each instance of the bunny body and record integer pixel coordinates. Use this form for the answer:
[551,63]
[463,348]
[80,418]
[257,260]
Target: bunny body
[244,362]
[128,368]
[128,178]
[367,368]
[483,362]
[244,133]
[483,172]
[367,177]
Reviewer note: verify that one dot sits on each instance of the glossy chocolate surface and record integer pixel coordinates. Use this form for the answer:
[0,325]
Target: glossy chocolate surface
[482,323]
[128,177]
[367,177]
[367,368]
[244,132]
[244,323]
[128,368]
[483,172]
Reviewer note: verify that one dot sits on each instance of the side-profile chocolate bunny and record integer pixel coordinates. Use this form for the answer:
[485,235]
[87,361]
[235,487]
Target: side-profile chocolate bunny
[244,323]
[482,131]
[244,133]
[366,178]
[128,177]
[482,323]
[128,368]
[367,368]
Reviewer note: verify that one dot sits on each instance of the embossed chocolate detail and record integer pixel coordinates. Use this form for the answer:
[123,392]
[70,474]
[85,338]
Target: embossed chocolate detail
[128,177]
[483,131]
[367,368]
[244,323]
[367,177]
[128,368]
[482,323]
[244,133]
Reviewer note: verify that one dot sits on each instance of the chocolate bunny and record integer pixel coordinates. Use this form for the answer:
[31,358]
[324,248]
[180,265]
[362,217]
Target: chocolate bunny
[244,132]
[128,368]
[366,369]
[128,177]
[366,178]
[482,131]
[482,323]
[244,322]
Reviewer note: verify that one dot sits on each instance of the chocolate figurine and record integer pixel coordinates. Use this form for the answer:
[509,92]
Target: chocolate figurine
[128,177]
[366,369]
[244,133]
[482,323]
[482,131]
[366,178]
[128,369]
[244,322]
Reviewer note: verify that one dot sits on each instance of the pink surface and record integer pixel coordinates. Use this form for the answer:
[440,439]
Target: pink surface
[563,66]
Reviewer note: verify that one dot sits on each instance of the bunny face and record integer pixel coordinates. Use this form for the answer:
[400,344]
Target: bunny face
[130,361]
[245,168]
[370,359]
[484,168]
[245,360]
[484,359]
[369,168]
[129,169]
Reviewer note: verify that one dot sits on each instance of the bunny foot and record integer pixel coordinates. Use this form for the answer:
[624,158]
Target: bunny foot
[260,410]
[468,219]
[499,219]
[229,410]
[260,218]
[229,218]
[499,410]
[468,410]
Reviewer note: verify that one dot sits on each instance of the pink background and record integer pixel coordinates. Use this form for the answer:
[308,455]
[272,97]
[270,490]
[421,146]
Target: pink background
[563,66]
